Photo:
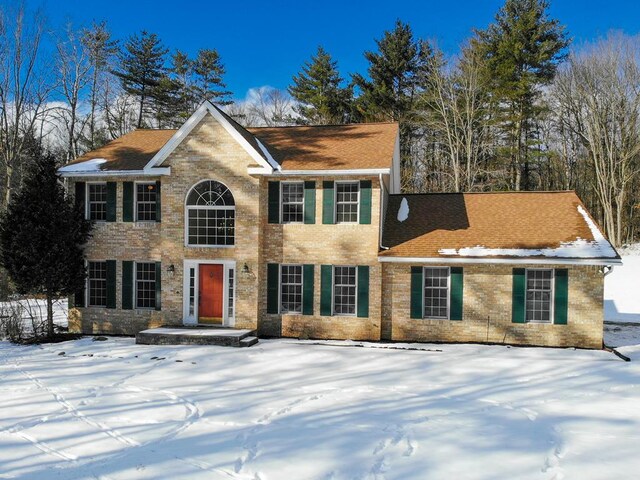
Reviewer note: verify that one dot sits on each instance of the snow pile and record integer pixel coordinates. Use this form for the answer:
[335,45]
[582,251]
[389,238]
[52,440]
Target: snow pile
[621,299]
[117,410]
[599,247]
[92,165]
[403,211]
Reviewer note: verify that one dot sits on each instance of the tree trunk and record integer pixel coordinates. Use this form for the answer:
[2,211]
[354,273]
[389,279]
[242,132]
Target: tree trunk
[49,316]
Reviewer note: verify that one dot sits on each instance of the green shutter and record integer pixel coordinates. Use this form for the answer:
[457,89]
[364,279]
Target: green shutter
[326,290]
[80,196]
[363,291]
[327,203]
[111,201]
[127,202]
[561,296]
[274,202]
[111,284]
[158,202]
[365,202]
[273,274]
[127,285]
[158,286]
[457,282]
[417,294]
[309,202]
[307,289]
[518,296]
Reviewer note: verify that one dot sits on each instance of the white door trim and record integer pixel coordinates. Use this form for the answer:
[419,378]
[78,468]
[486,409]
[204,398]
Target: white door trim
[191,318]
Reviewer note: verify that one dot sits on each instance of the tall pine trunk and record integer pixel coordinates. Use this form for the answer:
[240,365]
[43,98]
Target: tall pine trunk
[49,316]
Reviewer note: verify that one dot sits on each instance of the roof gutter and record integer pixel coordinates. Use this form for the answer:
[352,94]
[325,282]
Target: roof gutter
[509,261]
[152,172]
[364,171]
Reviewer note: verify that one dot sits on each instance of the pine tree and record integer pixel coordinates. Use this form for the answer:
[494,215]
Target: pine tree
[142,66]
[208,82]
[521,49]
[101,50]
[396,75]
[317,88]
[42,235]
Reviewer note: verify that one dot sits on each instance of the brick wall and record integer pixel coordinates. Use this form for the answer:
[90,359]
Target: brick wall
[487,310]
[339,244]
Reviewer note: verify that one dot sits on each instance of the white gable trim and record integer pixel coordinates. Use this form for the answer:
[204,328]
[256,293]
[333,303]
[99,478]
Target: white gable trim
[152,172]
[515,261]
[266,166]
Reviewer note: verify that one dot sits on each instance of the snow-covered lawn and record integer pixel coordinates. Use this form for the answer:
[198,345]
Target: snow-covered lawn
[286,409]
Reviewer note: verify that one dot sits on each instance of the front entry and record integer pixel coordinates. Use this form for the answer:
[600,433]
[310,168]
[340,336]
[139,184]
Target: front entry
[210,294]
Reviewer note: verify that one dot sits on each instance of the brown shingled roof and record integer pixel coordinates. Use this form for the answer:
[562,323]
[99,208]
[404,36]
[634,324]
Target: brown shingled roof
[331,147]
[131,151]
[516,220]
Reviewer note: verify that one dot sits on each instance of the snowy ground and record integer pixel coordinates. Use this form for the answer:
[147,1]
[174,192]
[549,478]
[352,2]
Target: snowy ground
[621,298]
[296,410]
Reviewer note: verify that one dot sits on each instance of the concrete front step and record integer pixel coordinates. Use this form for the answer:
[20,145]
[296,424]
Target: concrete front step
[228,337]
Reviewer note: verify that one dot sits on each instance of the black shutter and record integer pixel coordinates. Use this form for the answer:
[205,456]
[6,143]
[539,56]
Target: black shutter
[273,272]
[158,202]
[111,201]
[309,202]
[328,216]
[111,284]
[80,197]
[274,202]
[127,285]
[127,202]
[363,291]
[307,289]
[365,202]
[417,293]
[158,285]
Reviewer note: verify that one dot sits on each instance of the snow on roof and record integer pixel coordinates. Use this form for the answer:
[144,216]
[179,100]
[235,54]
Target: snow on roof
[533,225]
[403,211]
[92,165]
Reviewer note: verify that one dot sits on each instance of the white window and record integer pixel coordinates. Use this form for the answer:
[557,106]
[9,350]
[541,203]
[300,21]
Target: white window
[539,295]
[146,195]
[97,282]
[347,201]
[436,292]
[211,215]
[291,288]
[97,201]
[230,289]
[344,290]
[292,203]
[146,285]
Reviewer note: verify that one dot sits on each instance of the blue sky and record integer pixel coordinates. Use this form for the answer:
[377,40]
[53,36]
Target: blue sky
[265,43]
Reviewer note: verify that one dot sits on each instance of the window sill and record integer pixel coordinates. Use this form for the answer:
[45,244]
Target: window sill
[210,246]
[436,318]
[540,322]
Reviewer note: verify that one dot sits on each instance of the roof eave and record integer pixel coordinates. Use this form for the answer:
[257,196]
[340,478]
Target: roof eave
[502,260]
[151,172]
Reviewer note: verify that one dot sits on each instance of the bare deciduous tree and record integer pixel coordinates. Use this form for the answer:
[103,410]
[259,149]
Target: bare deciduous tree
[597,98]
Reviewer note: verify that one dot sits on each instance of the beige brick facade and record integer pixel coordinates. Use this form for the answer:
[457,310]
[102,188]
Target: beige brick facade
[209,152]
[487,309]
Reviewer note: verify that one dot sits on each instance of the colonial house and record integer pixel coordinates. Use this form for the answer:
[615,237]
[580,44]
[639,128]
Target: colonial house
[304,232]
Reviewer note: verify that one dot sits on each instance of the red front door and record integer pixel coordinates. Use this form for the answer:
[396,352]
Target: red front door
[210,294]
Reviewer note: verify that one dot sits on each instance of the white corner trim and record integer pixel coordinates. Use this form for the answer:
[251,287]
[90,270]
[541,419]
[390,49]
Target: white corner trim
[190,124]
[152,172]
[275,165]
[514,261]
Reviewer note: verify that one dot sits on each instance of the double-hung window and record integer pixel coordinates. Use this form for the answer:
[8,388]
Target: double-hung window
[145,285]
[539,295]
[344,290]
[97,283]
[291,288]
[146,196]
[292,202]
[347,202]
[436,292]
[97,201]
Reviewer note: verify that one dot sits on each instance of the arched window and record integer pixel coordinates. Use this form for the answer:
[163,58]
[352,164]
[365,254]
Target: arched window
[211,215]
